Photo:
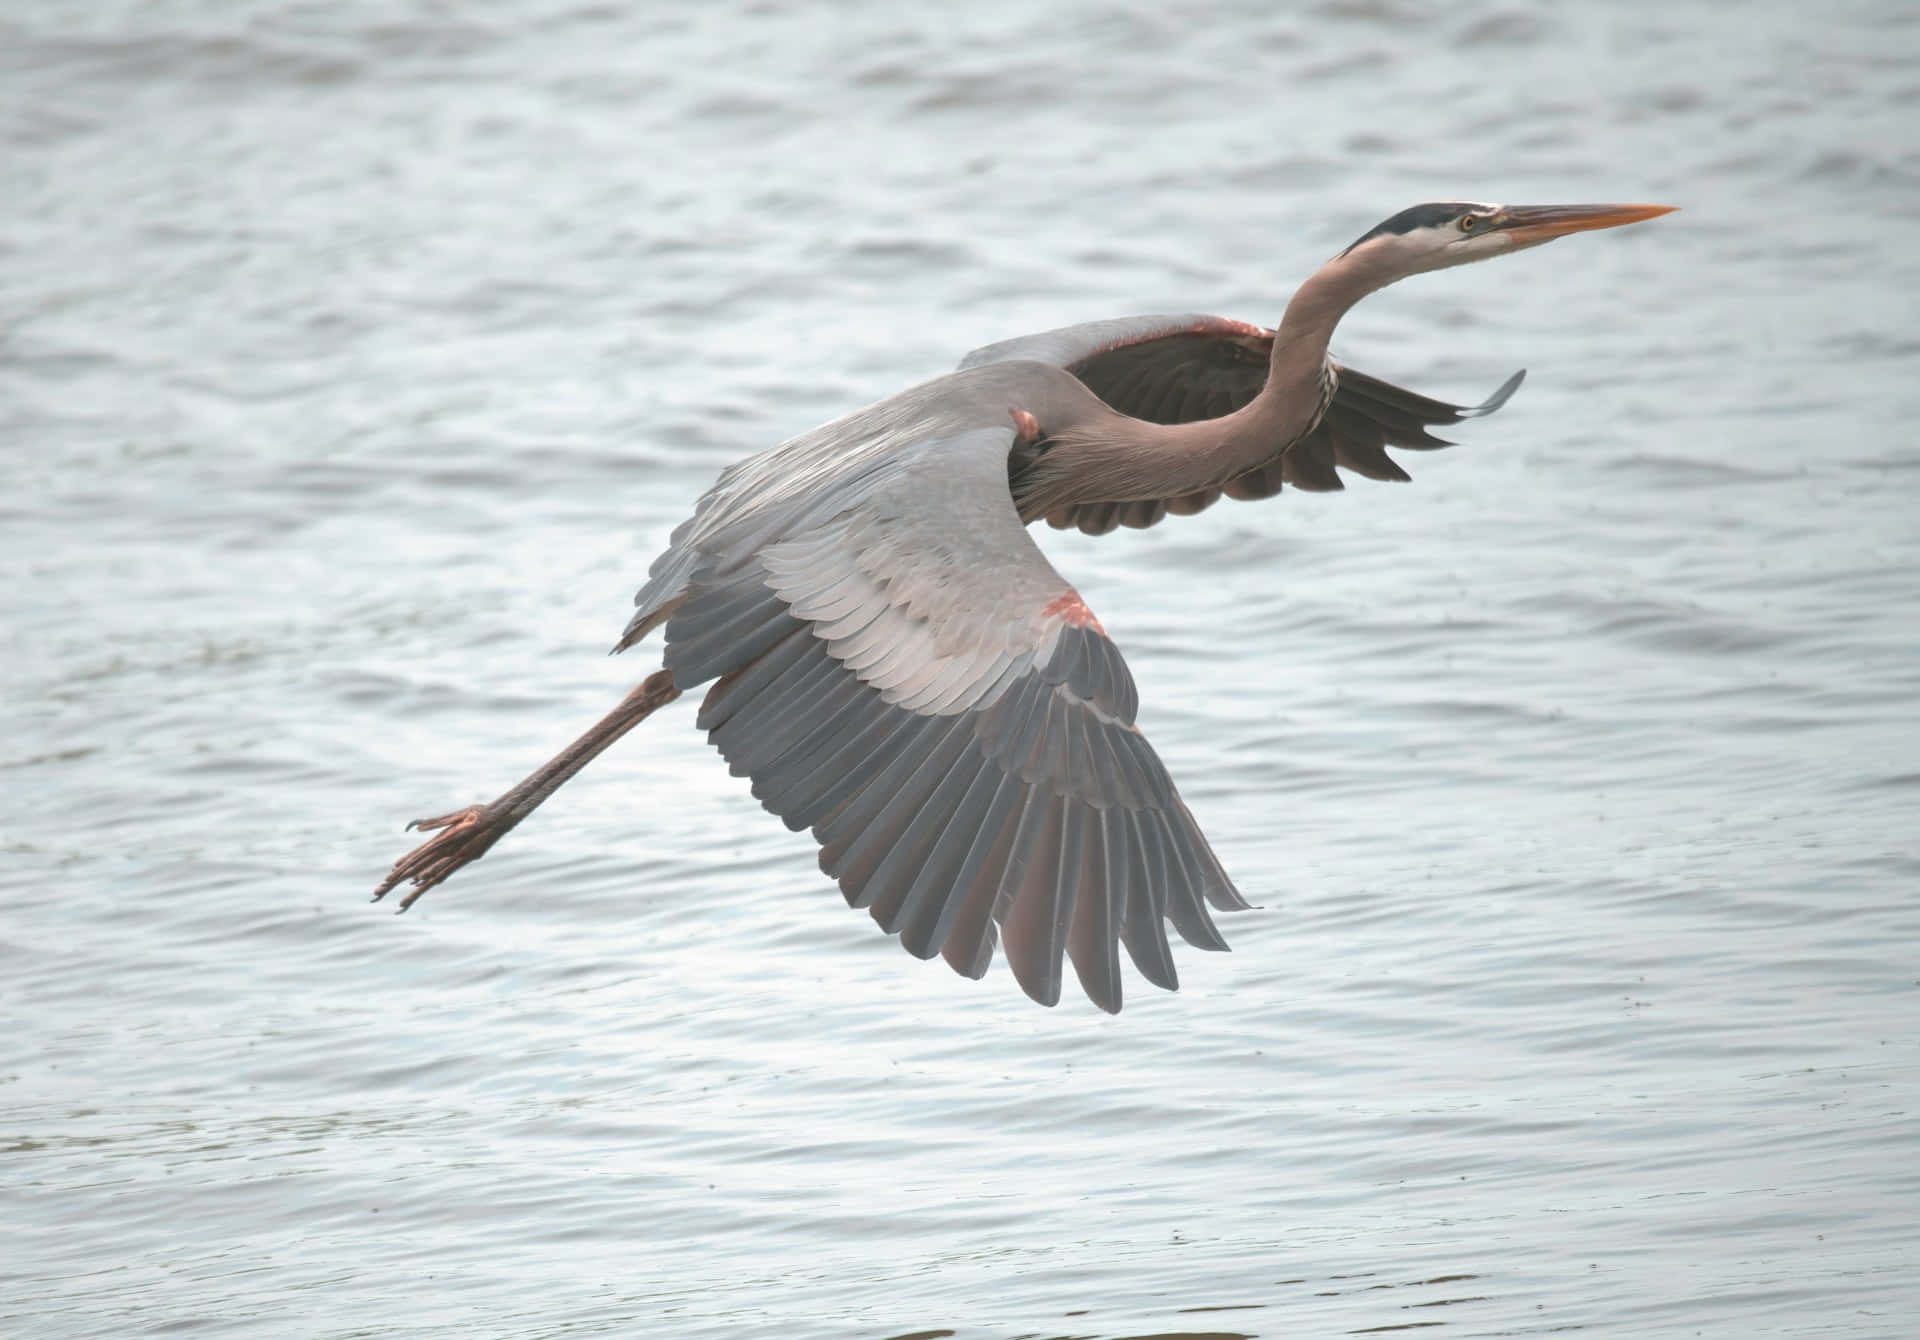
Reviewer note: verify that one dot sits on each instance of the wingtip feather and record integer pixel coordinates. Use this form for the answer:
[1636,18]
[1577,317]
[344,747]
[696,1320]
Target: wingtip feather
[1498,398]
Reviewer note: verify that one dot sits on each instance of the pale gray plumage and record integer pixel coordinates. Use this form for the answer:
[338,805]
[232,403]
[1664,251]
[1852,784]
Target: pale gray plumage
[898,668]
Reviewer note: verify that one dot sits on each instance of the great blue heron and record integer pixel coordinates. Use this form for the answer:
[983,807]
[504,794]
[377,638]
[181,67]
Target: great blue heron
[897,666]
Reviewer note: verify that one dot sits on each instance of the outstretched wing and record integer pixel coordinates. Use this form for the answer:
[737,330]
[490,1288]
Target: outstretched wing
[909,678]
[1176,369]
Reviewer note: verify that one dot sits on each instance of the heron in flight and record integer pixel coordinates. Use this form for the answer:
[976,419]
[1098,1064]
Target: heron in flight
[897,666]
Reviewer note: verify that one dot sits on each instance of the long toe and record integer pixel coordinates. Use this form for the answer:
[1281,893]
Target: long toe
[471,814]
[463,837]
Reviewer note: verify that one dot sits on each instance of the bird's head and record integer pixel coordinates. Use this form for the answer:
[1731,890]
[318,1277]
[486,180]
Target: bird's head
[1454,232]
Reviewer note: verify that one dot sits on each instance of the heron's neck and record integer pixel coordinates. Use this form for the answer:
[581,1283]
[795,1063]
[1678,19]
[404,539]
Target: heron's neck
[1300,344]
[1106,456]
[1295,395]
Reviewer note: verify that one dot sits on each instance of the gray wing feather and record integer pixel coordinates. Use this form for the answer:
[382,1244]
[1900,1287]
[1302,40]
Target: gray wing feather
[1144,904]
[1032,902]
[1093,939]
[910,679]
[967,914]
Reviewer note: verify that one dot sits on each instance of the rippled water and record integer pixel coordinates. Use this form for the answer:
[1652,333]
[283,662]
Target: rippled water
[356,360]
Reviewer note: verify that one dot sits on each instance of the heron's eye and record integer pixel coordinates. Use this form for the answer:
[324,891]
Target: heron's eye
[1468,222]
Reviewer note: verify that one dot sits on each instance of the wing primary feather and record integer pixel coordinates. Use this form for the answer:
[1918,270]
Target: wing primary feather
[1216,883]
[1143,923]
[1497,399]
[1364,458]
[894,877]
[968,946]
[1032,929]
[807,721]
[1308,465]
[787,702]
[1354,426]
[1161,862]
[1429,410]
[1115,825]
[928,907]
[788,784]
[1093,940]
[855,769]
[871,828]
[852,829]
[1186,907]
[1397,423]
[1355,386]
[875,731]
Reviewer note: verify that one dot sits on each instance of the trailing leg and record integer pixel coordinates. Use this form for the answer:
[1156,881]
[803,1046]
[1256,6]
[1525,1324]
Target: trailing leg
[466,835]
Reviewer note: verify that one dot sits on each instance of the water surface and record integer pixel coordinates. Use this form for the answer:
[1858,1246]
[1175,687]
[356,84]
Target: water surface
[356,361]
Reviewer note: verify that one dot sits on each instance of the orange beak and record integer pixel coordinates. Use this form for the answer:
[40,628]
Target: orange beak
[1531,224]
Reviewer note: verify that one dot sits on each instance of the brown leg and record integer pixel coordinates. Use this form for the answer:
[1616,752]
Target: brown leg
[465,835]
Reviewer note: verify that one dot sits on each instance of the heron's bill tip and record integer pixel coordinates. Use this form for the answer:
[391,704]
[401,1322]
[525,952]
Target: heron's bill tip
[1541,223]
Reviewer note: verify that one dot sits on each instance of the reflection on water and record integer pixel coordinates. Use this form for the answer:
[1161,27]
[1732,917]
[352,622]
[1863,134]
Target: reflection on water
[356,366]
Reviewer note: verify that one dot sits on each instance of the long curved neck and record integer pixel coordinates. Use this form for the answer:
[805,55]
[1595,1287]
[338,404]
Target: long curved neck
[1300,344]
[1106,456]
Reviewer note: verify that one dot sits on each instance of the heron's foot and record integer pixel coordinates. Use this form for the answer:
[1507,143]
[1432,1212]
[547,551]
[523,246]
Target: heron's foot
[464,836]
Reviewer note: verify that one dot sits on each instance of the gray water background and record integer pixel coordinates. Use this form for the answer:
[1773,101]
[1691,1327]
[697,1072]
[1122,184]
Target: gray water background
[355,359]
